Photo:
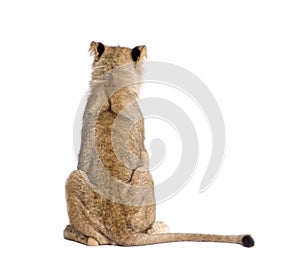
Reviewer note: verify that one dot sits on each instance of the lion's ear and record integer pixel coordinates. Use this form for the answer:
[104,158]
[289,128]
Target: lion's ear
[96,50]
[139,53]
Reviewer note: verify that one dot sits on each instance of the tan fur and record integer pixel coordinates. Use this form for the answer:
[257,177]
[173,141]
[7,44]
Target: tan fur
[110,197]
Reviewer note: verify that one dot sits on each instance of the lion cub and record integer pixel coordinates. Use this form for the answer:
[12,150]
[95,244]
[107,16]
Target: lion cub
[110,197]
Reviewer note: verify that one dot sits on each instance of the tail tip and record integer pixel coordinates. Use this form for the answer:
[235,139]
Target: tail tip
[248,241]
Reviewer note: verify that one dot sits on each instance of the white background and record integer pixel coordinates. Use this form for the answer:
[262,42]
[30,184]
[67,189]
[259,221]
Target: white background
[247,53]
